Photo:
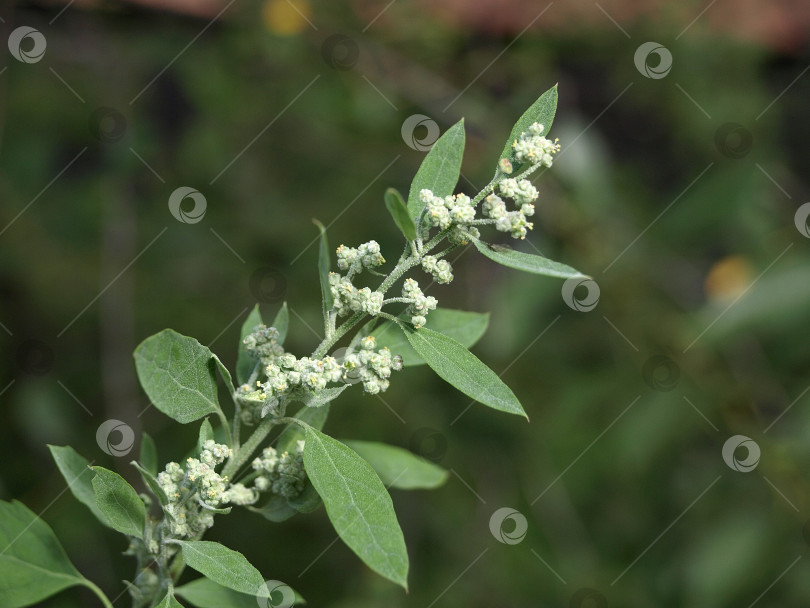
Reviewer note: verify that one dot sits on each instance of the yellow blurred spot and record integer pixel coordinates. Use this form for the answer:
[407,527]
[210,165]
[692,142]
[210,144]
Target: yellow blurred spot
[285,17]
[728,278]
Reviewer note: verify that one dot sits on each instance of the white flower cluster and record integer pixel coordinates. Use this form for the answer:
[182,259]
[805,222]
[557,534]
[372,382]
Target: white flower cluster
[370,366]
[349,298]
[531,147]
[455,212]
[263,344]
[281,474]
[353,259]
[514,222]
[195,491]
[420,304]
[441,270]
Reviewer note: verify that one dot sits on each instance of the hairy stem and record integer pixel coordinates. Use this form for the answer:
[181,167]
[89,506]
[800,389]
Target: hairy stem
[241,456]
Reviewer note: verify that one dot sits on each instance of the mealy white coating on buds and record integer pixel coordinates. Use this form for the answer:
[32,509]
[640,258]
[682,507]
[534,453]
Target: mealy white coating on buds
[366,255]
[514,222]
[441,212]
[349,299]
[441,270]
[281,474]
[370,366]
[420,304]
[262,342]
[531,147]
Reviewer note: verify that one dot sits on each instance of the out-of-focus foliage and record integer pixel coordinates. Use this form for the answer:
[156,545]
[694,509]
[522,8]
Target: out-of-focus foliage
[686,226]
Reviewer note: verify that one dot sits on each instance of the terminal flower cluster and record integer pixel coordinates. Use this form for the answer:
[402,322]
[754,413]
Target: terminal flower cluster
[281,474]
[531,147]
[420,304]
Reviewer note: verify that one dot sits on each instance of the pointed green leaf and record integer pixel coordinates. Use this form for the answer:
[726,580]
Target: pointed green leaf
[226,375]
[399,468]
[459,367]
[324,266]
[33,565]
[177,373]
[358,505]
[542,111]
[440,169]
[225,566]
[119,502]
[148,454]
[318,398]
[79,477]
[399,212]
[206,433]
[282,322]
[463,326]
[169,601]
[151,483]
[526,262]
[313,416]
[205,593]
[307,501]
[244,362]
[276,509]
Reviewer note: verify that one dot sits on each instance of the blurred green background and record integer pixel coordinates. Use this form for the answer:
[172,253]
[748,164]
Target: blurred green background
[677,194]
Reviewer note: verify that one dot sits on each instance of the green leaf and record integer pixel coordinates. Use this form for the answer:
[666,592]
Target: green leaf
[358,505]
[399,468]
[313,416]
[178,375]
[276,509]
[307,501]
[459,367]
[440,169]
[224,566]
[324,265]
[119,502]
[398,210]
[148,454]
[245,362]
[152,483]
[463,326]
[542,111]
[318,398]
[206,433]
[33,565]
[282,322]
[169,601]
[526,262]
[205,593]
[226,375]
[79,477]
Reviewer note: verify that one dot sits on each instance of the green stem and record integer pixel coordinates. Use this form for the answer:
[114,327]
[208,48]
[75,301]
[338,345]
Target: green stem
[99,593]
[241,457]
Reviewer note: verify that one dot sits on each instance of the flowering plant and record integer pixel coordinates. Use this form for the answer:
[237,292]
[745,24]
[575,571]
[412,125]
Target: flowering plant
[233,464]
